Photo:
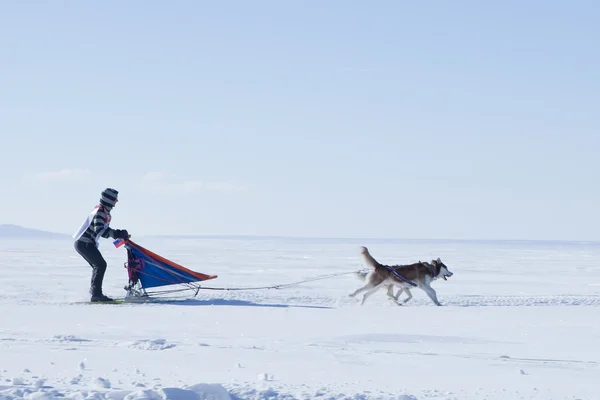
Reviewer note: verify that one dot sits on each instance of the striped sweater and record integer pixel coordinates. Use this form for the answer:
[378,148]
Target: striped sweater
[95,226]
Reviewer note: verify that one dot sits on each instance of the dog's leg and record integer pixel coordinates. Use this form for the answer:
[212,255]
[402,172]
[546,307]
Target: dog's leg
[397,296]
[431,293]
[390,290]
[370,292]
[407,290]
[368,286]
[390,294]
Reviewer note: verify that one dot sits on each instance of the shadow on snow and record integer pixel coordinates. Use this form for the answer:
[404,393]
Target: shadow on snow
[220,302]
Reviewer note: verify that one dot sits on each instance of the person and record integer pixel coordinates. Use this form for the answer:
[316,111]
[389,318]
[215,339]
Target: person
[87,240]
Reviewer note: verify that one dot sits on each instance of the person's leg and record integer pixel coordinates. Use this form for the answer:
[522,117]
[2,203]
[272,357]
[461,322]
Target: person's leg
[93,256]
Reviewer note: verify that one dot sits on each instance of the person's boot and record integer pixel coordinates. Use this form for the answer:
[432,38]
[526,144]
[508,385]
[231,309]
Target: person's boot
[97,295]
[96,286]
[100,298]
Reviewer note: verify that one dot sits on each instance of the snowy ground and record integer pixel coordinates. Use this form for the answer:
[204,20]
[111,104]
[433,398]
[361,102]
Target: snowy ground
[519,321]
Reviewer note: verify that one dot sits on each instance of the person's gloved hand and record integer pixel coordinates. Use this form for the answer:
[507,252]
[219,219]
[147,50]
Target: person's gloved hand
[121,234]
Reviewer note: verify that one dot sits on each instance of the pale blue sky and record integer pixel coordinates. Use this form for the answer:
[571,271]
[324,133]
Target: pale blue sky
[402,119]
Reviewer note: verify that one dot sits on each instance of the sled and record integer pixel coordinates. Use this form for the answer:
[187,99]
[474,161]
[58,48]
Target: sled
[151,274]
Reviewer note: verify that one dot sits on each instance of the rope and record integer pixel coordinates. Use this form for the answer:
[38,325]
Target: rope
[280,286]
[283,285]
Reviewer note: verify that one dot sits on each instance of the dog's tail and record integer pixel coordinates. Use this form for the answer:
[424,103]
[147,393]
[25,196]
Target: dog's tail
[368,258]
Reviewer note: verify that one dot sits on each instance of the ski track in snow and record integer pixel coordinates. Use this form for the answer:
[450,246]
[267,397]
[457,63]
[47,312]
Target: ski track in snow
[519,321]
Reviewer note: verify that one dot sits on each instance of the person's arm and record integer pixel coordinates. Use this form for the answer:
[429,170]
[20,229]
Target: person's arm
[99,224]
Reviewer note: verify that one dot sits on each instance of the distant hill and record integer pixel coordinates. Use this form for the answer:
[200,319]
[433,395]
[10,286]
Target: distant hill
[9,231]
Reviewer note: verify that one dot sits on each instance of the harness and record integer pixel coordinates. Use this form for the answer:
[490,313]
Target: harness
[393,270]
[432,269]
[397,274]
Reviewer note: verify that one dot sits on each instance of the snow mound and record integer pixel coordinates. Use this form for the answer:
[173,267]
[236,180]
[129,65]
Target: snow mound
[69,338]
[207,391]
[200,391]
[151,345]
[102,383]
[196,392]
[17,380]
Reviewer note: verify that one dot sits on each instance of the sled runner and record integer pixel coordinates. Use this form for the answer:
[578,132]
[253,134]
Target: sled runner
[147,270]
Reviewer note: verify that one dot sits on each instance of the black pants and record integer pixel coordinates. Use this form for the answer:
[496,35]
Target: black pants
[92,255]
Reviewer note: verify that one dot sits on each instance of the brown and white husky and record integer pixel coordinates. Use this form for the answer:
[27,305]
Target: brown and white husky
[417,275]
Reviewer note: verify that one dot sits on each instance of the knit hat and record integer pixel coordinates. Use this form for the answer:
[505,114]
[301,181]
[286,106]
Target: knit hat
[109,197]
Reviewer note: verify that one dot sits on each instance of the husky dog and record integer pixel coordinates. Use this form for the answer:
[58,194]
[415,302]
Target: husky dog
[419,275]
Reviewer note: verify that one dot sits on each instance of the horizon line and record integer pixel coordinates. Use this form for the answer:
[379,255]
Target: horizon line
[286,237]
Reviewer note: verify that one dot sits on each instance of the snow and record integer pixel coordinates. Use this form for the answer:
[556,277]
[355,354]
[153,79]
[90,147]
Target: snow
[519,321]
